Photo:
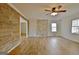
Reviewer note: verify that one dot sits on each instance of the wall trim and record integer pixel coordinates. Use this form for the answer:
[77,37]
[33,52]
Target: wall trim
[70,39]
[13,7]
[15,46]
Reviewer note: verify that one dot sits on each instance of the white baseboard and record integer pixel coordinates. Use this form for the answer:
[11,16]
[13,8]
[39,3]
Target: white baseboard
[14,46]
[70,39]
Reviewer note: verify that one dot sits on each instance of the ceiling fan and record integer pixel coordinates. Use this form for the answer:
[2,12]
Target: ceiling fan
[55,10]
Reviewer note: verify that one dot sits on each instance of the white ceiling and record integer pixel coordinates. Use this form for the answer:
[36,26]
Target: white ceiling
[36,10]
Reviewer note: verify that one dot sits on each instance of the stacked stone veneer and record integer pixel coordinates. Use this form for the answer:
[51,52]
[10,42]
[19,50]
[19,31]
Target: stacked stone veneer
[9,28]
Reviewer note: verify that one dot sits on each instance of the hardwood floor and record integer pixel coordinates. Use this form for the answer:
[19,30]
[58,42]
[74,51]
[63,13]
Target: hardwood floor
[46,46]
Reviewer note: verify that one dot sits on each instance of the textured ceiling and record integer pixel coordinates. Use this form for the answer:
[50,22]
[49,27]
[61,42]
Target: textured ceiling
[36,10]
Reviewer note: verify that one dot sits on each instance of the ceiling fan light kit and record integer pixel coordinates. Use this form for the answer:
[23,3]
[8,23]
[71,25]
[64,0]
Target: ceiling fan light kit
[54,14]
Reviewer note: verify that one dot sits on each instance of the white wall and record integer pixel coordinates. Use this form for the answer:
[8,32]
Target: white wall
[63,28]
[42,28]
[33,28]
[66,28]
[50,33]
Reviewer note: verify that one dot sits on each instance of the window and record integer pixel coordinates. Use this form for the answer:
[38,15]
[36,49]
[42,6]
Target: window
[53,25]
[75,26]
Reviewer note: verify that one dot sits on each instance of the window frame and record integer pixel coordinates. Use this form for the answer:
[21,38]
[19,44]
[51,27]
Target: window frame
[74,26]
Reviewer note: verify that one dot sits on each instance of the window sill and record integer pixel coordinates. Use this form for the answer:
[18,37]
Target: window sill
[54,32]
[75,33]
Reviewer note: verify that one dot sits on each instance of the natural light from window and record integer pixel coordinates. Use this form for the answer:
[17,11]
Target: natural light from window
[75,26]
[53,25]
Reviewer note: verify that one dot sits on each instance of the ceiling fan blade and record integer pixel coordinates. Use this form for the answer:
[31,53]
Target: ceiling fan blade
[59,6]
[47,10]
[61,11]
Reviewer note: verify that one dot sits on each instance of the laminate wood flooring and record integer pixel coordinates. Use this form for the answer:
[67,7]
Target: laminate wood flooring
[46,46]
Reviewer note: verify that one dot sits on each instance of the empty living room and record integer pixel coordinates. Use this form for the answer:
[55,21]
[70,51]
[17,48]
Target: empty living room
[39,28]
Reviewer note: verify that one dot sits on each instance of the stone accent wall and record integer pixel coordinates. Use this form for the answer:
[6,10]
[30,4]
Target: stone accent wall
[9,28]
